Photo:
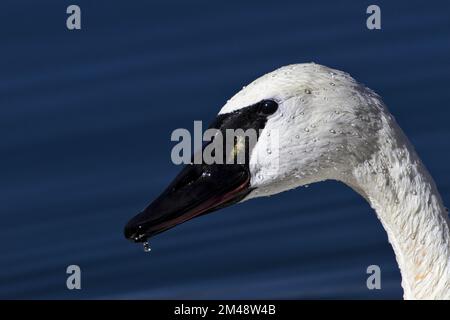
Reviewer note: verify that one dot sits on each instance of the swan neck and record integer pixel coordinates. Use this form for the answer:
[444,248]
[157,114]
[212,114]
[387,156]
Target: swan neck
[401,191]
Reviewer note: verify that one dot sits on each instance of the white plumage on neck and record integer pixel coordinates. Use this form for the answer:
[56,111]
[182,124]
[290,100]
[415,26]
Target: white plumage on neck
[328,126]
[408,204]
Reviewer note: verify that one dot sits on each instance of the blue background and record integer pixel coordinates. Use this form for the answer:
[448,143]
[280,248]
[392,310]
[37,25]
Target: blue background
[85,124]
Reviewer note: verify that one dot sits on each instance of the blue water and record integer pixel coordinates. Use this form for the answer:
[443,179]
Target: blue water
[85,123]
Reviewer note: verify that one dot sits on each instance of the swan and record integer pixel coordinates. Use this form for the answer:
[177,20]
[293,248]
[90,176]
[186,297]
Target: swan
[329,126]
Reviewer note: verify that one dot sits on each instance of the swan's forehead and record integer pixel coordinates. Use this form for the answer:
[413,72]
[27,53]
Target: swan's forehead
[282,84]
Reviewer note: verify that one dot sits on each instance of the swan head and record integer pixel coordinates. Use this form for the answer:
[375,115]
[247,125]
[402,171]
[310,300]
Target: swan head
[313,122]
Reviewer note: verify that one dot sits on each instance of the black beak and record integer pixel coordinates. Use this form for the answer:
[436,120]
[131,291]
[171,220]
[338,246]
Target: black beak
[202,188]
[198,189]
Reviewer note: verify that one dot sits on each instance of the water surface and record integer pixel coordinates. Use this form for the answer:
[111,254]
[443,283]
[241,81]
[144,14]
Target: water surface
[85,124]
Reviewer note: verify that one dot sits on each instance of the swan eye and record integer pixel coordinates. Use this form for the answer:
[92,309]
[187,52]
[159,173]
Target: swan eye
[268,106]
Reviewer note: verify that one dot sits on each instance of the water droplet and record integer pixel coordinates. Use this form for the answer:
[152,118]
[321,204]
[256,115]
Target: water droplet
[146,246]
[332,84]
[332,131]
[297,136]
[306,130]
[302,113]
[269,151]
[332,74]
[353,125]
[306,185]
[414,192]
[307,91]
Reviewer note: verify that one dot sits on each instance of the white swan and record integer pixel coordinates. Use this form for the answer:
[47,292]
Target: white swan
[329,127]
